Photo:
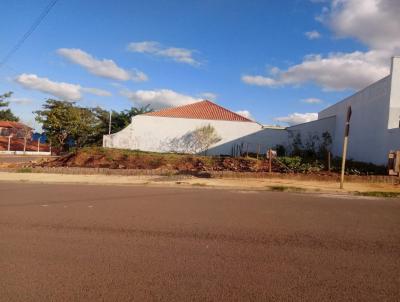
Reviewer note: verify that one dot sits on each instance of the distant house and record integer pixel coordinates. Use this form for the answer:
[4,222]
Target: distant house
[15,129]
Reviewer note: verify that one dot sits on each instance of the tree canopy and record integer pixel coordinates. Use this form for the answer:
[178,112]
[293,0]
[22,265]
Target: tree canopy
[67,124]
[6,114]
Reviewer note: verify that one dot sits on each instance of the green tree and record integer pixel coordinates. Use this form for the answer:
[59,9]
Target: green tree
[57,122]
[6,114]
[119,120]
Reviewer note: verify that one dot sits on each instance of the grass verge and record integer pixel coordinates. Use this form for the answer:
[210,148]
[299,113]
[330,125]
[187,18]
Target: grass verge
[379,194]
[285,189]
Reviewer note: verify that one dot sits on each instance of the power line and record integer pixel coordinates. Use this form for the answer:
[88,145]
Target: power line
[31,29]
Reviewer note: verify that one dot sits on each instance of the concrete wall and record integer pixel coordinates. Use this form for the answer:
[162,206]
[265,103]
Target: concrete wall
[163,134]
[260,141]
[313,129]
[375,117]
[394,105]
[368,125]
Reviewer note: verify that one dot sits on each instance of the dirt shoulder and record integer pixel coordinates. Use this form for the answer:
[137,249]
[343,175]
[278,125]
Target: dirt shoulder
[190,181]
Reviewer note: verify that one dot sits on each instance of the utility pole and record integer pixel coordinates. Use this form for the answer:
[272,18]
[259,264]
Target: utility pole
[345,142]
[109,125]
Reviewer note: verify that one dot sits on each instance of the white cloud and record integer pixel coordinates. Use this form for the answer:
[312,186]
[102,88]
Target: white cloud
[312,101]
[208,96]
[297,118]
[139,76]
[312,35]
[337,71]
[258,80]
[20,101]
[245,113]
[375,23]
[62,90]
[160,98]
[96,91]
[181,55]
[103,68]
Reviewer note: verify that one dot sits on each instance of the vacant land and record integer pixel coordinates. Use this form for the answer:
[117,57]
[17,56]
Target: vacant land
[120,243]
[128,159]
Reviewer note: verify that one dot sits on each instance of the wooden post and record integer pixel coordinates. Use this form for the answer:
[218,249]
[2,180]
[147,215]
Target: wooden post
[345,142]
[247,150]
[25,139]
[9,143]
[329,161]
[270,161]
[38,145]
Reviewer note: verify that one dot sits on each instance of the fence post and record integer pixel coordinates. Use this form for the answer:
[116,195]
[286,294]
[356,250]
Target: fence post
[270,160]
[329,161]
[9,143]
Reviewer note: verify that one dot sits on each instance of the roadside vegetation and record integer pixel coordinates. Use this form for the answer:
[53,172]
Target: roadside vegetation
[5,113]
[98,157]
[67,125]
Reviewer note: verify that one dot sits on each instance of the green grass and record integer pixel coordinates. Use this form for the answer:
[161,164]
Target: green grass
[198,184]
[379,194]
[24,170]
[285,189]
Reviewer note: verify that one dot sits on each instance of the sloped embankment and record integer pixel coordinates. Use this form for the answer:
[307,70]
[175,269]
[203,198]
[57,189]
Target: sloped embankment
[126,159]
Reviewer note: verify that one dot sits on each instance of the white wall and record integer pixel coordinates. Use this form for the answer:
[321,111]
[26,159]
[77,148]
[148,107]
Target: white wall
[394,110]
[259,141]
[314,128]
[159,134]
[375,115]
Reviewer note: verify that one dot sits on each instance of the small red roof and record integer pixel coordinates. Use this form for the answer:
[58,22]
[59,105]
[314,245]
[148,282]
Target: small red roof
[9,124]
[205,110]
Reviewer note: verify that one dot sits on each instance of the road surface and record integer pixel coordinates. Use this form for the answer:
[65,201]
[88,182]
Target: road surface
[127,243]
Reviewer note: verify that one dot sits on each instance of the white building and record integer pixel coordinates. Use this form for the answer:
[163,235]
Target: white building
[169,130]
[374,126]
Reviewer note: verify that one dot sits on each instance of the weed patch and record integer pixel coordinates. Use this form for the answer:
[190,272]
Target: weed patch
[24,170]
[379,194]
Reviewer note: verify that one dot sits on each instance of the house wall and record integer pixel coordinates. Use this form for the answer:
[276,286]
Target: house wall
[164,134]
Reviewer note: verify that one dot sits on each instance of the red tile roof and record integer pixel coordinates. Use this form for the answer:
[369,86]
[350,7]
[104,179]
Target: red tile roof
[201,110]
[9,124]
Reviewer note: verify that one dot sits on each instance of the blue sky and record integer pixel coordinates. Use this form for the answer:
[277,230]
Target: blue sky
[280,61]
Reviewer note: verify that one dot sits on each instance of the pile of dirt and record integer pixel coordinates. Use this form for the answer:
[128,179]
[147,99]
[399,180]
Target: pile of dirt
[124,159]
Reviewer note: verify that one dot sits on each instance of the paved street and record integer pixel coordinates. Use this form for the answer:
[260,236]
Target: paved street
[127,243]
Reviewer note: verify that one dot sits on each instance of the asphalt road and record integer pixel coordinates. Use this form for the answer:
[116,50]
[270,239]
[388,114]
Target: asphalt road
[116,243]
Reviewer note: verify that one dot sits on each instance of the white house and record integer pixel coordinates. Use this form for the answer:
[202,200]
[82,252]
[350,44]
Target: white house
[168,130]
[374,126]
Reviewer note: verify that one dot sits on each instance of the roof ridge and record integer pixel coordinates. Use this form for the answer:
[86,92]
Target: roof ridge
[204,109]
